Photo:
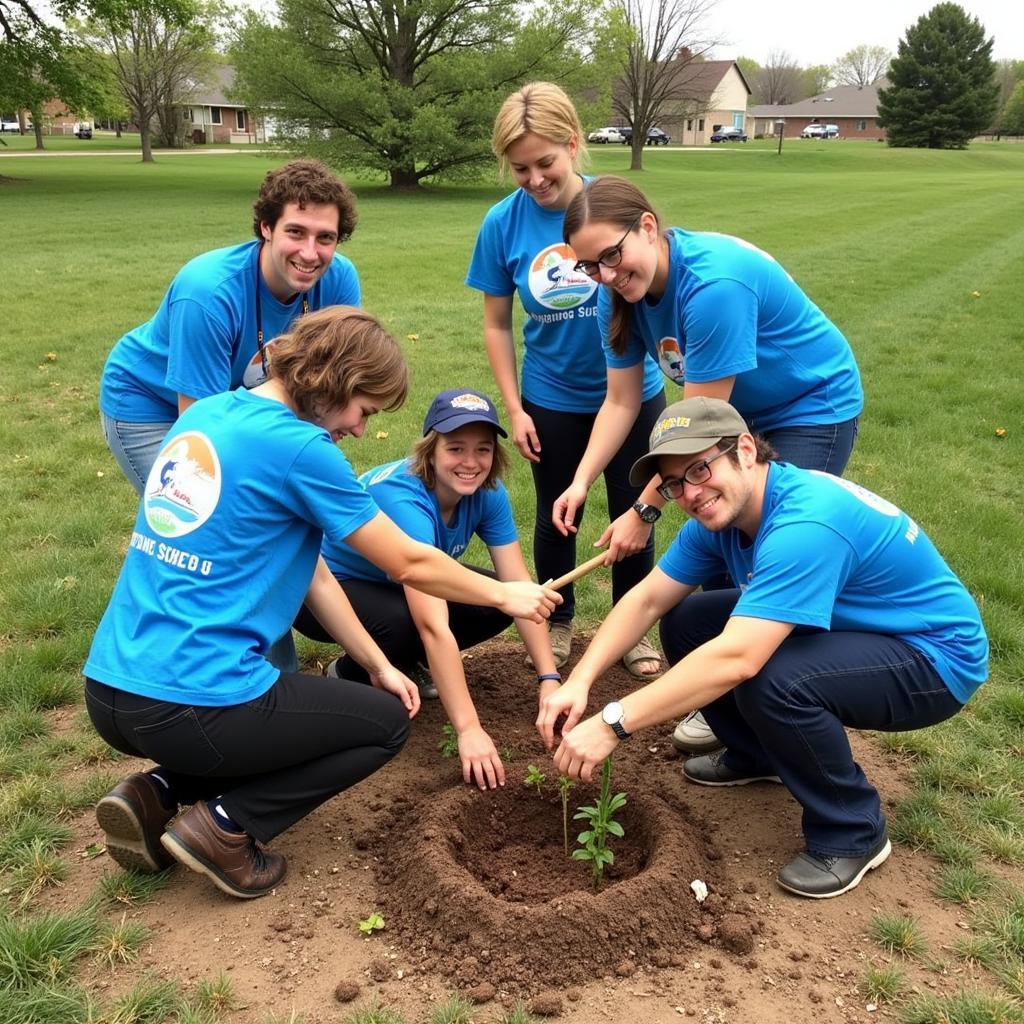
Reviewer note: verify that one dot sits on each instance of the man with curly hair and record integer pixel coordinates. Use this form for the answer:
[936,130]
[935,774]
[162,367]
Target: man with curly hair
[216,325]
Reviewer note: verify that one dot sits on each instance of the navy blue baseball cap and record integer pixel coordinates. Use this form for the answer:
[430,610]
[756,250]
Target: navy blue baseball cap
[455,408]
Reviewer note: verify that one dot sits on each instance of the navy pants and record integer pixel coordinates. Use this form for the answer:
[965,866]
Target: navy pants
[789,719]
[564,437]
[271,760]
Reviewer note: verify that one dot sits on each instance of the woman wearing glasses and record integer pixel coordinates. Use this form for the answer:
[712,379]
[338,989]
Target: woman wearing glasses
[520,250]
[723,320]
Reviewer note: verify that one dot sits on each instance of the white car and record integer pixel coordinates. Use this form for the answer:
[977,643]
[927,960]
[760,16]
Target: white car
[820,131]
[11,126]
[606,135]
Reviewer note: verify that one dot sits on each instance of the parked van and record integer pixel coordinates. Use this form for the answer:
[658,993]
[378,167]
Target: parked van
[820,131]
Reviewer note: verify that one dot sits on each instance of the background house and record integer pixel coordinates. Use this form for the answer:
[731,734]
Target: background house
[710,94]
[854,108]
[212,117]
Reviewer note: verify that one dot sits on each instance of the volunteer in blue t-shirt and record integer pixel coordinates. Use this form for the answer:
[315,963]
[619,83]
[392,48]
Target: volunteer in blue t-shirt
[846,615]
[723,320]
[215,328]
[520,250]
[448,491]
[225,549]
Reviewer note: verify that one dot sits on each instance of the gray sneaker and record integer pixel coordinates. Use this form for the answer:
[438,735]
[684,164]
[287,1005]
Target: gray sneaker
[420,675]
[820,878]
[708,770]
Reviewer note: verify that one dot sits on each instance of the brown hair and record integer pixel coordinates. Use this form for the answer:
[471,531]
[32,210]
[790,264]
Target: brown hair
[765,451]
[540,108]
[335,353]
[304,182]
[610,200]
[421,464]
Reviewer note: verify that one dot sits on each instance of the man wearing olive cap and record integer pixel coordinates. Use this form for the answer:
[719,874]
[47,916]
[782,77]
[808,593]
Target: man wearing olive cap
[846,615]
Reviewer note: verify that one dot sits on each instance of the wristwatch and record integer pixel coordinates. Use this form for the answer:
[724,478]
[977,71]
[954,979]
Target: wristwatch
[648,513]
[614,715]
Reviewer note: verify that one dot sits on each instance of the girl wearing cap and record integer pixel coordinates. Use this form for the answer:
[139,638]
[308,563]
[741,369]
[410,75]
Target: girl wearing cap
[520,250]
[448,490]
[725,321]
[225,548]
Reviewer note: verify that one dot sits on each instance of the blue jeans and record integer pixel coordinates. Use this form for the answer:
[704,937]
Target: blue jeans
[788,720]
[135,446]
[826,447]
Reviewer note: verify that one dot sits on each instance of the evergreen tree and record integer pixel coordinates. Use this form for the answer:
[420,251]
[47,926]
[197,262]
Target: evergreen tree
[942,89]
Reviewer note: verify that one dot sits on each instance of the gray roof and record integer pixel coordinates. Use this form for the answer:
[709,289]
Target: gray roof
[211,92]
[842,101]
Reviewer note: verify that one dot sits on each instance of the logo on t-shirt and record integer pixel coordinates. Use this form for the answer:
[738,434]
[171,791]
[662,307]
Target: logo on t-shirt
[672,361]
[254,374]
[183,486]
[554,280]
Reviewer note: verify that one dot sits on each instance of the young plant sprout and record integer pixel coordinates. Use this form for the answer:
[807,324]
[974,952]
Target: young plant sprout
[534,777]
[564,785]
[602,824]
[371,924]
[449,745]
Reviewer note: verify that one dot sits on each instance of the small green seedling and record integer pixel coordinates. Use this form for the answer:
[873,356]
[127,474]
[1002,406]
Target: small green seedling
[371,924]
[602,824]
[534,777]
[564,785]
[449,745]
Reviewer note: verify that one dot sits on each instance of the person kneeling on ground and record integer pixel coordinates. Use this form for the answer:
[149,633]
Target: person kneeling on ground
[448,490]
[225,548]
[847,616]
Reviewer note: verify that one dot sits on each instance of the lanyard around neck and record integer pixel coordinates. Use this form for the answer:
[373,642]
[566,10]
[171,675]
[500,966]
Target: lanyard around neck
[259,312]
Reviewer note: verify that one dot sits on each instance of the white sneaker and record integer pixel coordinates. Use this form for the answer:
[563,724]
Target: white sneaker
[332,669]
[693,735]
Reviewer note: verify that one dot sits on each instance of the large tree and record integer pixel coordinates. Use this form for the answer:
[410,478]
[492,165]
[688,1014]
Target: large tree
[779,80]
[942,88]
[1011,118]
[863,65]
[405,87]
[666,41]
[158,51]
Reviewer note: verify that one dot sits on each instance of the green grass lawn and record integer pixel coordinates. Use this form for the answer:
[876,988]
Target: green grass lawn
[916,255]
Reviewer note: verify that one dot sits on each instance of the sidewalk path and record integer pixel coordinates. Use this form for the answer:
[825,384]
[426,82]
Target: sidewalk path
[196,151]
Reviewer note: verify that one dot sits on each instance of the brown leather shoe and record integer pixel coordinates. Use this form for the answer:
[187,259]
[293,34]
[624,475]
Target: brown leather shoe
[133,819]
[233,861]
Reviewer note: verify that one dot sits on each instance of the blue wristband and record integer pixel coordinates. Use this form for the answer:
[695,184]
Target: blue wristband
[549,675]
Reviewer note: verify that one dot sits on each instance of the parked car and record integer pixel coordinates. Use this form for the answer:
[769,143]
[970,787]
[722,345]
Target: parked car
[605,135]
[83,130]
[655,137]
[820,131]
[7,125]
[729,134]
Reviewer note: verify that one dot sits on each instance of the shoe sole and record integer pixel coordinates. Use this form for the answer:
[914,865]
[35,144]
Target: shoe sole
[686,746]
[183,853]
[733,782]
[879,858]
[125,838]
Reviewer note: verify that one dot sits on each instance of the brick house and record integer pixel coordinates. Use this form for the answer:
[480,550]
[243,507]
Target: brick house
[211,117]
[853,108]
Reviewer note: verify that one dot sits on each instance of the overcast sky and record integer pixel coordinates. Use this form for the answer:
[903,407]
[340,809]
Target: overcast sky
[818,33]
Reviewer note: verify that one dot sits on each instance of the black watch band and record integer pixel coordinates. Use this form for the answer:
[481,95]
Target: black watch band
[648,513]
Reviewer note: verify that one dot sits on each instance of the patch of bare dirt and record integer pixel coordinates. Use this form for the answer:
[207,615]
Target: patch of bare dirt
[478,895]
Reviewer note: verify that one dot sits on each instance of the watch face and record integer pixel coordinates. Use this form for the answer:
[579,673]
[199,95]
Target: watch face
[612,713]
[648,513]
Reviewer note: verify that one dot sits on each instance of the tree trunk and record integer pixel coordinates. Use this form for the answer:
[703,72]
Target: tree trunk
[636,152]
[147,145]
[117,129]
[37,126]
[404,178]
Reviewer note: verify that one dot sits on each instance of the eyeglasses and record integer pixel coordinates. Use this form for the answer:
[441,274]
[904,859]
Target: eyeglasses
[671,487]
[609,258]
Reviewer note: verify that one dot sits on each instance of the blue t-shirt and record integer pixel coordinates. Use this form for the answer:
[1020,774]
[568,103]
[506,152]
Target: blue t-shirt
[520,249]
[730,310]
[202,339]
[406,500]
[223,551]
[831,555]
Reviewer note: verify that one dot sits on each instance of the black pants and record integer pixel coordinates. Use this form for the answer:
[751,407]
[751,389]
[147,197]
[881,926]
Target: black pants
[563,438]
[384,613]
[271,760]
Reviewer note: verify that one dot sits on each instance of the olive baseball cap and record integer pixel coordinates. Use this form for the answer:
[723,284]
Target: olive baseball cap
[685,428]
[457,407]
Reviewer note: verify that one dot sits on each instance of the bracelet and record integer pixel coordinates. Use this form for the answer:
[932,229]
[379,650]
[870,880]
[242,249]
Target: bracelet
[549,675]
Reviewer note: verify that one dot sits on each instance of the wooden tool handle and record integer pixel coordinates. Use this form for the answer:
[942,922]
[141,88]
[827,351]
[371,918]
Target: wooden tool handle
[581,570]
